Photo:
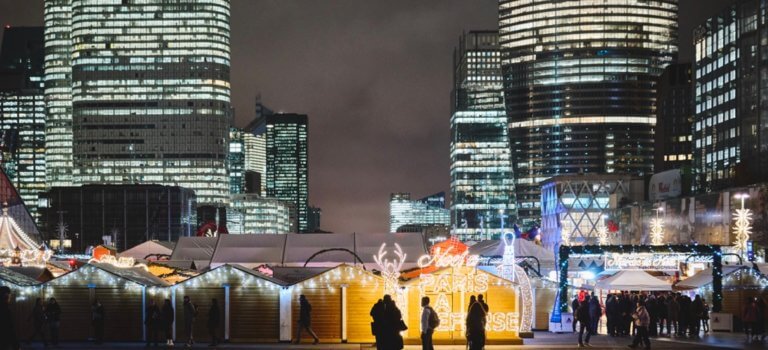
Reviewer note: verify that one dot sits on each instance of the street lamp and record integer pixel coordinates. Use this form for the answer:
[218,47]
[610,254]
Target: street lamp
[743,224]
[657,228]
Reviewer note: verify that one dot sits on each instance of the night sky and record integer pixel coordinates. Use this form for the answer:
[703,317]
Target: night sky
[375,79]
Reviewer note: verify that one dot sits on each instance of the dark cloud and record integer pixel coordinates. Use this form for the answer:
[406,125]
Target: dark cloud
[374,77]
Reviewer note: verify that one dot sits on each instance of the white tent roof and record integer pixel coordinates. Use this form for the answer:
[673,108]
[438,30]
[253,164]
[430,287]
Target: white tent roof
[12,236]
[633,280]
[523,247]
[147,248]
[703,278]
[293,250]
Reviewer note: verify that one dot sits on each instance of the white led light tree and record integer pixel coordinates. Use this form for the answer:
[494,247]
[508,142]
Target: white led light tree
[742,227]
[657,228]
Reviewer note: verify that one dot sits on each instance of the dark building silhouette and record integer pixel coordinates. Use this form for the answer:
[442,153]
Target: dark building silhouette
[674,119]
[129,214]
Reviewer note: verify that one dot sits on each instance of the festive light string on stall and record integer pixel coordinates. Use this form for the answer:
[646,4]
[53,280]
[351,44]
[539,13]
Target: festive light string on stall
[526,292]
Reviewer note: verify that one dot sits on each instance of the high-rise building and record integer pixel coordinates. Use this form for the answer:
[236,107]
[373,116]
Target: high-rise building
[58,92]
[236,166]
[482,183]
[430,210]
[256,145]
[730,132]
[579,85]
[22,112]
[150,93]
[313,222]
[674,119]
[251,214]
[288,162]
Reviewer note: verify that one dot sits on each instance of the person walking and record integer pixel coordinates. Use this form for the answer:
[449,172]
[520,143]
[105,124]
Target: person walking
[152,322]
[697,315]
[476,318]
[377,314]
[38,322]
[190,315]
[749,318]
[53,316]
[641,321]
[429,321]
[393,325]
[305,320]
[584,318]
[574,309]
[8,338]
[213,322]
[97,320]
[167,316]
[705,316]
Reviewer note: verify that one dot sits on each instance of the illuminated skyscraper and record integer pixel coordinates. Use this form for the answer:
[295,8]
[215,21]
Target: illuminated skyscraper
[288,163]
[150,91]
[58,92]
[427,211]
[579,85]
[22,112]
[730,132]
[482,183]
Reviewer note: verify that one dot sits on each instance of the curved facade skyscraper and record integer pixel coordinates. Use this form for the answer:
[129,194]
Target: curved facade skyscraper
[150,84]
[579,85]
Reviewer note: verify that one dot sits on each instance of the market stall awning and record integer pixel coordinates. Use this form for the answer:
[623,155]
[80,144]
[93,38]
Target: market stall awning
[633,280]
[522,248]
[143,250]
[704,277]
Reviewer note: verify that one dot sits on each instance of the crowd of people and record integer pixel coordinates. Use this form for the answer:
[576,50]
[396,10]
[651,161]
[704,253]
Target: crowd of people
[647,315]
[388,323]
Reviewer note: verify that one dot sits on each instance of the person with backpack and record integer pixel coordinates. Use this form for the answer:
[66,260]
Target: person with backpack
[429,322]
[190,314]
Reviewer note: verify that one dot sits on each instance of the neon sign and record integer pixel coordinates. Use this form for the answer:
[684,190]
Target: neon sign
[642,261]
[443,259]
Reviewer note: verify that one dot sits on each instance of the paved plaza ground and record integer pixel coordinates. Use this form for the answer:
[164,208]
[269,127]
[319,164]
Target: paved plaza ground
[542,340]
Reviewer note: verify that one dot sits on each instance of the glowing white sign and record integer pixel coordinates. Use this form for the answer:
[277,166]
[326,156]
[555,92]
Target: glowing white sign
[445,259]
[122,262]
[642,261]
[27,257]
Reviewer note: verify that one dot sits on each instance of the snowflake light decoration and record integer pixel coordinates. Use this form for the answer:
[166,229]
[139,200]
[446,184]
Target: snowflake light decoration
[742,228]
[657,231]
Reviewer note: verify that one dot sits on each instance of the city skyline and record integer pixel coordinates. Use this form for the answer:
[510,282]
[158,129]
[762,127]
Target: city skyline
[405,148]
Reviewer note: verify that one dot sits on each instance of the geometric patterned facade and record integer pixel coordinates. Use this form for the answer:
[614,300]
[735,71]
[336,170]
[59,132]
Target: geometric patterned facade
[575,207]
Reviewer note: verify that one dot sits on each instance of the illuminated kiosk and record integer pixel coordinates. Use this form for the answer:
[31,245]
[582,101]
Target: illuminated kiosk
[449,276]
[16,247]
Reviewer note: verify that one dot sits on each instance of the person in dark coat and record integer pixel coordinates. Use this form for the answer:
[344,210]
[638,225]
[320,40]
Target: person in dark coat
[661,311]
[673,314]
[305,319]
[377,314]
[8,338]
[167,316]
[585,320]
[152,322]
[697,314]
[213,322]
[476,318]
[574,309]
[38,322]
[685,315]
[595,312]
[190,315]
[97,320]
[53,316]
[392,325]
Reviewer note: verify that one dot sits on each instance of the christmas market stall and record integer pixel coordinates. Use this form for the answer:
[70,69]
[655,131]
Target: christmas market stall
[740,283]
[120,286]
[24,291]
[341,298]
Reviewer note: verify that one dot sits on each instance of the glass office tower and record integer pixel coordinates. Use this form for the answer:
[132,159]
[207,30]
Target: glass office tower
[579,84]
[426,211]
[288,163]
[22,112]
[58,92]
[731,79]
[150,92]
[482,185]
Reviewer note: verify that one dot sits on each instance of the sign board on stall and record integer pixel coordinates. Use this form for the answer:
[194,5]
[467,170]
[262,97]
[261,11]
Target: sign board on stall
[643,261]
